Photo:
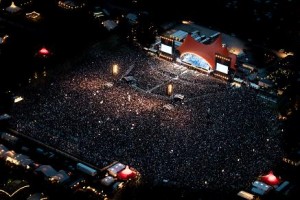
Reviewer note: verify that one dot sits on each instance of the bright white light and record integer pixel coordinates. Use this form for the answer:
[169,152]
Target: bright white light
[222,68]
[18,99]
[115,69]
[166,49]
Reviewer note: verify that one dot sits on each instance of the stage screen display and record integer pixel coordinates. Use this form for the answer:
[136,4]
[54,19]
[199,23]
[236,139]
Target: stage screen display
[222,68]
[166,49]
[222,63]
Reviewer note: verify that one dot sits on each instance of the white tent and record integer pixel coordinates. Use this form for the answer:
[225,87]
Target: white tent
[13,8]
[110,24]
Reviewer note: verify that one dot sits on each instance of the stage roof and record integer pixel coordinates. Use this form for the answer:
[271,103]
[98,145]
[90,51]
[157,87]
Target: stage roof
[207,51]
[179,35]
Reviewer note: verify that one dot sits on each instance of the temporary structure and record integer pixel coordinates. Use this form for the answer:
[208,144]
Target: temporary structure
[13,8]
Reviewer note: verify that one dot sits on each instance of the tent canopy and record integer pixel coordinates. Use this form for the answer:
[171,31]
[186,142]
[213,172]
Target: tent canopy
[270,179]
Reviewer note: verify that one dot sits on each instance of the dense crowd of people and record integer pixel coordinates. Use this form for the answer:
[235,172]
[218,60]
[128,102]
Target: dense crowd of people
[217,137]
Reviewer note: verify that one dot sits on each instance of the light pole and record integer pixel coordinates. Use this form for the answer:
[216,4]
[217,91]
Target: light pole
[115,70]
[169,89]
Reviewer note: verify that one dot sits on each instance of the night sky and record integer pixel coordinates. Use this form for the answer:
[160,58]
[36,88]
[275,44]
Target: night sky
[274,22]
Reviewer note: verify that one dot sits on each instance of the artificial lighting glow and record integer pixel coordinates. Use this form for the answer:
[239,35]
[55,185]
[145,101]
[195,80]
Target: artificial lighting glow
[194,60]
[187,22]
[270,179]
[3,39]
[44,51]
[18,99]
[126,173]
[12,160]
[15,192]
[13,8]
[222,68]
[70,5]
[115,70]
[33,15]
[13,5]
[166,48]
[170,89]
[281,53]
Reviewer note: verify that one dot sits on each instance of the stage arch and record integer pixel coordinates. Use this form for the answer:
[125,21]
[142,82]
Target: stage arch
[207,52]
[195,60]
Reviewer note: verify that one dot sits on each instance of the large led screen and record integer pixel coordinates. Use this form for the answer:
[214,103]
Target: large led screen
[166,49]
[222,68]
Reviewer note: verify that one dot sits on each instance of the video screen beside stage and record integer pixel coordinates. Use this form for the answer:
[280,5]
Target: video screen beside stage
[167,45]
[166,49]
[222,64]
[222,68]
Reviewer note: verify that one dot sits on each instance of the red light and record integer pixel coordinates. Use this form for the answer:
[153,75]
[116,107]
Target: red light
[44,51]
[126,171]
[126,174]
[270,179]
